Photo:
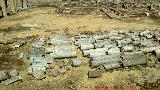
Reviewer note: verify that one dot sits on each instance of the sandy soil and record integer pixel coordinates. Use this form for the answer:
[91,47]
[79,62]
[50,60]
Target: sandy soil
[44,21]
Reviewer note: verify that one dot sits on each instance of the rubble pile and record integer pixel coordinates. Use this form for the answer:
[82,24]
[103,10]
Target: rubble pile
[113,8]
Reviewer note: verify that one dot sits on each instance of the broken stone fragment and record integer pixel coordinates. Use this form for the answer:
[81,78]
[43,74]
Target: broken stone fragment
[94,74]
[12,80]
[157,36]
[13,73]
[20,43]
[3,75]
[52,72]
[76,62]
[157,53]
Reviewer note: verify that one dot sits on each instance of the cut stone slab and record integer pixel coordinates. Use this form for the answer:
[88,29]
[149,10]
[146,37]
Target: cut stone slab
[116,37]
[3,75]
[96,63]
[95,52]
[103,57]
[87,46]
[114,50]
[124,42]
[132,55]
[112,65]
[94,74]
[134,62]
[134,58]
[101,44]
[148,49]
[65,51]
[60,39]
[82,41]
[37,44]
[12,80]
[112,45]
[76,62]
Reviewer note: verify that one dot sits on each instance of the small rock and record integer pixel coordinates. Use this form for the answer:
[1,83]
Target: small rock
[52,72]
[13,73]
[94,74]
[76,62]
[38,74]
[62,71]
[3,75]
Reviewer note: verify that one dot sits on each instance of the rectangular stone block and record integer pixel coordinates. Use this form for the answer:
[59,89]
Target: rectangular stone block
[112,65]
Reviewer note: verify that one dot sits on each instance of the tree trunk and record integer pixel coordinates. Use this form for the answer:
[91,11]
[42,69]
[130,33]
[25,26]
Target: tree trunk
[4,7]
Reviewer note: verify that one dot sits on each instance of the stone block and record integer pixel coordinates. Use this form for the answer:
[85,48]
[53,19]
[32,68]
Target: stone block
[94,74]
[112,65]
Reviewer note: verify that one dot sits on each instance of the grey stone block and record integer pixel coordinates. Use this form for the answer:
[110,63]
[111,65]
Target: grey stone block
[64,51]
[89,40]
[114,50]
[123,42]
[87,46]
[112,65]
[60,39]
[134,62]
[133,58]
[96,63]
[117,37]
[112,45]
[132,55]
[106,57]
[12,80]
[102,43]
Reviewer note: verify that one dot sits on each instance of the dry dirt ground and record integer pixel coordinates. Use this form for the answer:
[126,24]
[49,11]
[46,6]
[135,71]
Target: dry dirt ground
[43,21]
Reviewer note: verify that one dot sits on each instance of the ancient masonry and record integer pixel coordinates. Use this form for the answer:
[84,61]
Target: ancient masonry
[111,50]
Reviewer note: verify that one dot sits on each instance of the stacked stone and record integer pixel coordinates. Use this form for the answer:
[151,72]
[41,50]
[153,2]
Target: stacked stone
[119,48]
[39,62]
[41,55]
